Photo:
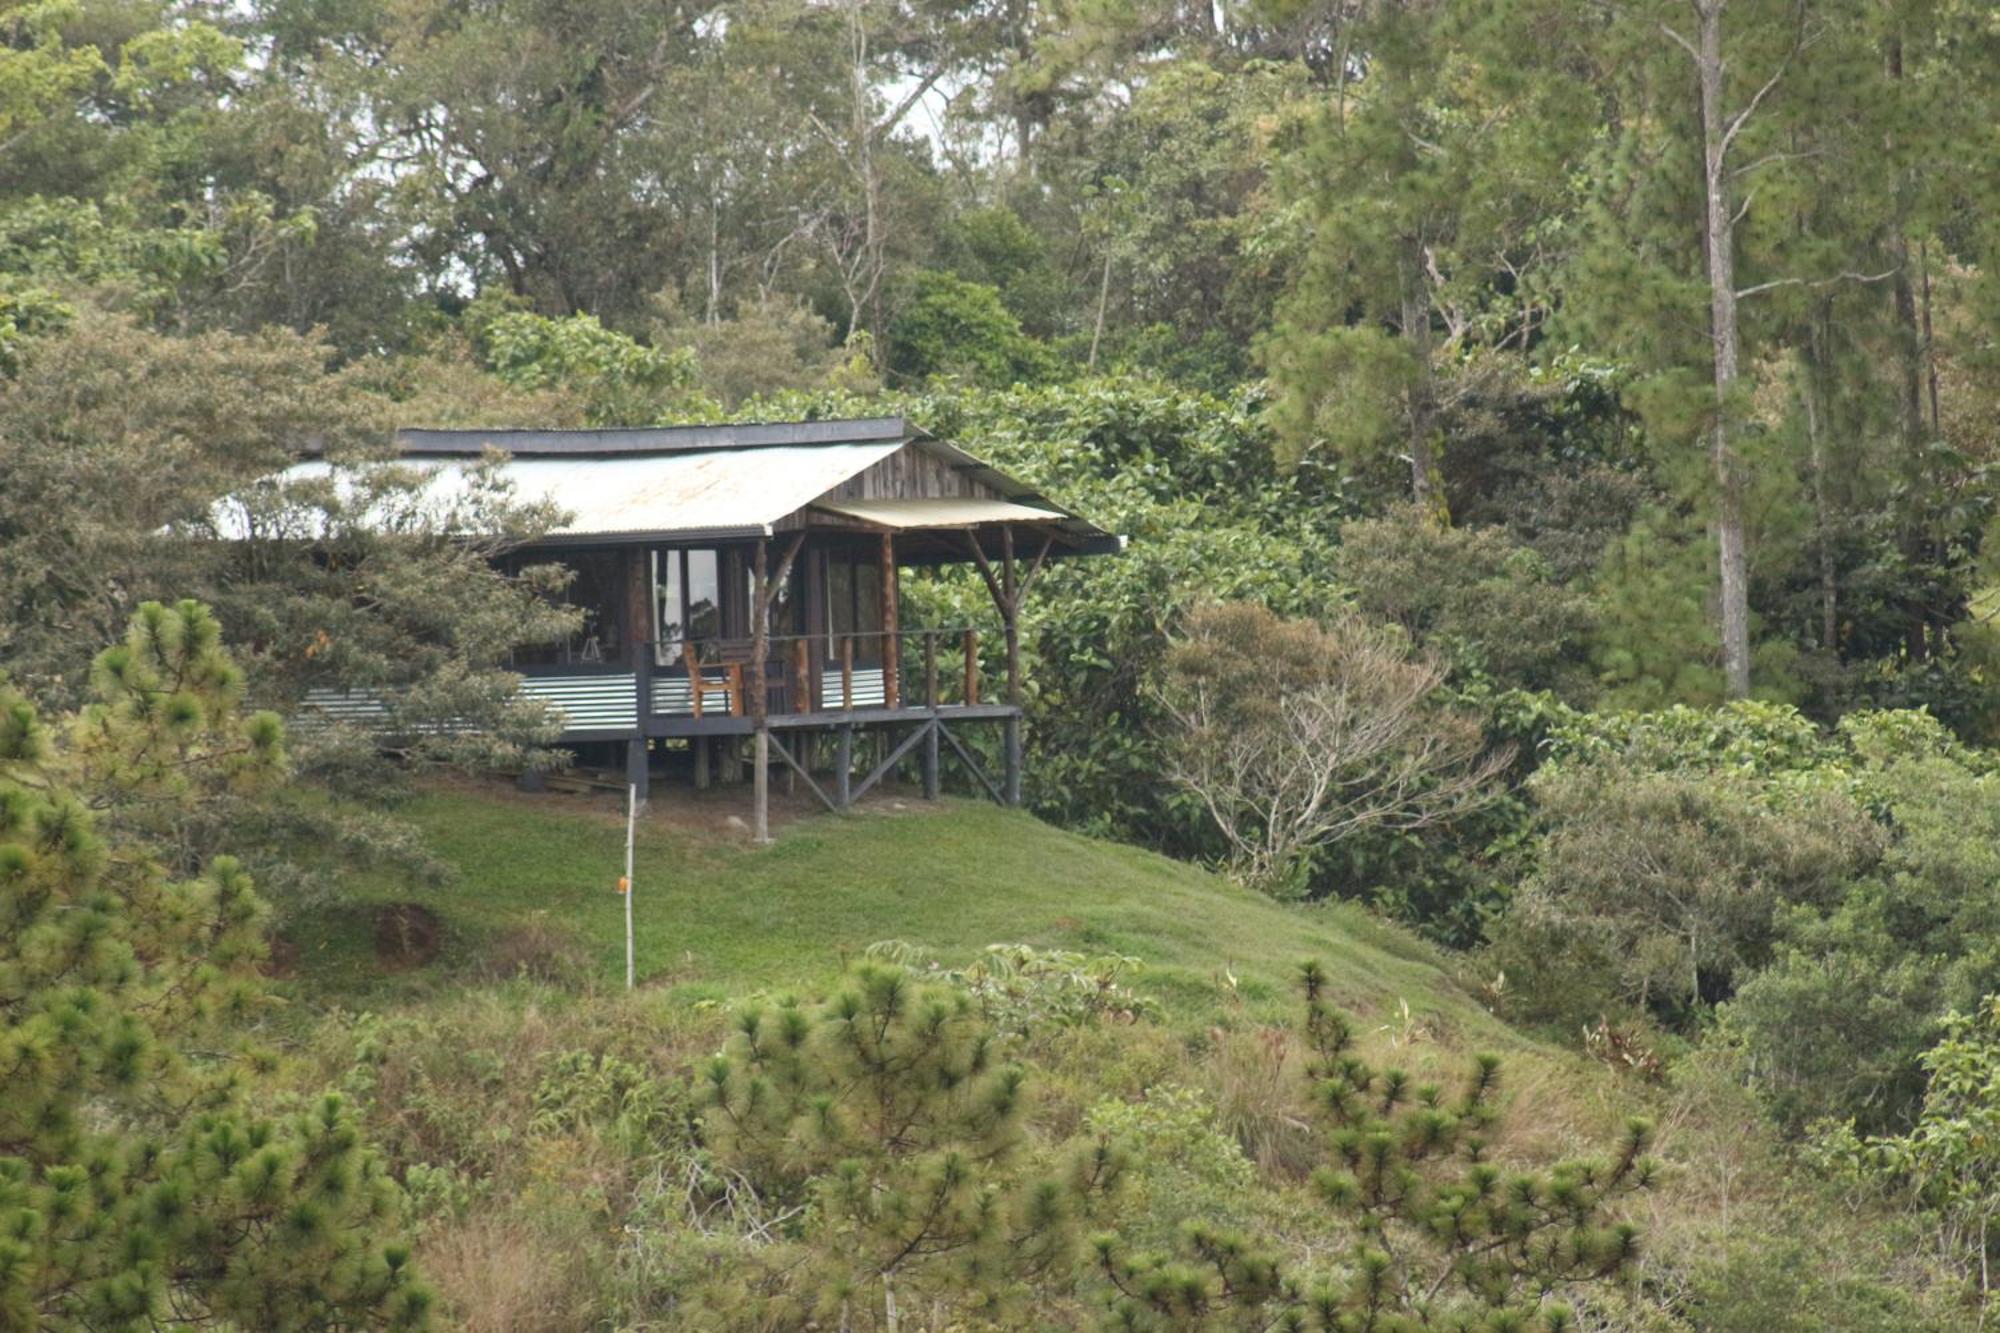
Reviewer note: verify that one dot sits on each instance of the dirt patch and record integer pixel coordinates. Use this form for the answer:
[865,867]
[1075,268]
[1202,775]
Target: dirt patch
[281,959]
[406,935]
[534,949]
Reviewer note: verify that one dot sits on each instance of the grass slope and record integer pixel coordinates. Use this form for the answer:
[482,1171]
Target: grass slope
[717,916]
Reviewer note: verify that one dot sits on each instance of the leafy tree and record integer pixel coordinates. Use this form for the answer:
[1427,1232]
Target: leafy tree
[947,326]
[1444,1237]
[1468,594]
[621,381]
[1949,1161]
[888,1120]
[140,1183]
[1672,883]
[1292,736]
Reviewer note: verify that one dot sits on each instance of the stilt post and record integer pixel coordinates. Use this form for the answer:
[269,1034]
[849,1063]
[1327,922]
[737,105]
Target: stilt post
[892,682]
[843,768]
[637,774]
[759,642]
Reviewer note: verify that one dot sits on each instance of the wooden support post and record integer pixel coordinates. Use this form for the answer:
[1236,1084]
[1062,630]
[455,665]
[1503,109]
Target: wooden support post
[1010,614]
[1012,778]
[1010,592]
[892,683]
[802,700]
[637,776]
[931,759]
[639,631]
[759,642]
[930,670]
[843,768]
[701,763]
[847,672]
[692,660]
[972,666]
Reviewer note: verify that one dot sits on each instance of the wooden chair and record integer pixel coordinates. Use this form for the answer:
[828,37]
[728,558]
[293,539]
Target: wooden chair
[727,656]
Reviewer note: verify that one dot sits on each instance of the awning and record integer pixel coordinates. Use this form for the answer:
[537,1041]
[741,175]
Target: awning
[904,515]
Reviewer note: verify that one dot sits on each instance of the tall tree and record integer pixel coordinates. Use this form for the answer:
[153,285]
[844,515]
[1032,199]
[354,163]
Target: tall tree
[1434,186]
[139,1183]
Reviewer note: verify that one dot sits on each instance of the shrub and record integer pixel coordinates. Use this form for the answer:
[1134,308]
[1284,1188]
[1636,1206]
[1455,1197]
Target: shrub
[1471,595]
[887,1128]
[1442,1236]
[1668,884]
[1292,736]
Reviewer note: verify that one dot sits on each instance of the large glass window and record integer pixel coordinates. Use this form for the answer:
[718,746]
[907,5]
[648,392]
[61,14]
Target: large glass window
[687,592]
[854,603]
[596,590]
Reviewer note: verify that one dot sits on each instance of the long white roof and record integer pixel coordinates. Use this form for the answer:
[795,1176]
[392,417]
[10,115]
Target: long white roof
[720,492]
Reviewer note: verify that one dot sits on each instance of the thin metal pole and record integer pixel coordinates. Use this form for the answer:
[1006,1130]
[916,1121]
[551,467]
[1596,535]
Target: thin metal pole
[631,824]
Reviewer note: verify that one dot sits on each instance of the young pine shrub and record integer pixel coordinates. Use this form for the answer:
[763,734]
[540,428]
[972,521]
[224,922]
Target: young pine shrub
[1442,1237]
[882,1134]
[140,1184]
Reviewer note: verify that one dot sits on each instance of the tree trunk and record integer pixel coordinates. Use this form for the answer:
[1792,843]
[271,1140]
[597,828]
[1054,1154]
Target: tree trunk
[1421,398]
[1814,399]
[1103,299]
[1733,557]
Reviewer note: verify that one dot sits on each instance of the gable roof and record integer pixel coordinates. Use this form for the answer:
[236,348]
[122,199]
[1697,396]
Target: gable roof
[716,482]
[606,441]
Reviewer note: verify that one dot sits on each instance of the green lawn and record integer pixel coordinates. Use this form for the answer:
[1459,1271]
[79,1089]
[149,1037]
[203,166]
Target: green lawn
[717,916]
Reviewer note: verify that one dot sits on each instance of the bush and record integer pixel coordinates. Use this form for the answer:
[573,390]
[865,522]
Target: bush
[1291,737]
[1668,885]
[1472,596]
[948,326]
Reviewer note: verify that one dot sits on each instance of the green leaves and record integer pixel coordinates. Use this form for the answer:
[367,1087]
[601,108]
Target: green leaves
[886,1119]
[137,1182]
[1439,1239]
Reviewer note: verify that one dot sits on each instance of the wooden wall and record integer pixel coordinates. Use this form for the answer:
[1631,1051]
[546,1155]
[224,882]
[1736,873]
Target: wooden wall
[913,473]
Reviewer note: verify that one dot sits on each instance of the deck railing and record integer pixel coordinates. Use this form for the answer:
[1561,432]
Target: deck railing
[820,673]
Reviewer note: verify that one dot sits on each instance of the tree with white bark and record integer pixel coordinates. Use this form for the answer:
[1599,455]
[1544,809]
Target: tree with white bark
[1291,736]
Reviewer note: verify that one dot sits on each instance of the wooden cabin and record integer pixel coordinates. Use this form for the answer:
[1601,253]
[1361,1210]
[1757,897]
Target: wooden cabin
[741,587]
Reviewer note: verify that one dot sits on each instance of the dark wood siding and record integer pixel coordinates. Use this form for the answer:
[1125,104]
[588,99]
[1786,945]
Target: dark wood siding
[912,473]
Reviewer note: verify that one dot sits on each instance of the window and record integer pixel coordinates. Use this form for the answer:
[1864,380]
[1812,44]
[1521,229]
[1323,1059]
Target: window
[854,603]
[687,592]
[597,590]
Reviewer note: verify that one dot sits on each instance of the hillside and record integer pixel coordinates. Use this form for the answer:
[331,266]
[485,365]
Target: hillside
[717,916]
[510,974]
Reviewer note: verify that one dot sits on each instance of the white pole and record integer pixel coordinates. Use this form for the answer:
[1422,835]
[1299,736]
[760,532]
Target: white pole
[631,821]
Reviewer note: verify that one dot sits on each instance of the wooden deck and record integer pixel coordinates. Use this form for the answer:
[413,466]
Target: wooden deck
[827,720]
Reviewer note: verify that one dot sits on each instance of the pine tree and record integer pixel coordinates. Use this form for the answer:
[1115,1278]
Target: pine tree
[1444,1238]
[887,1123]
[139,1185]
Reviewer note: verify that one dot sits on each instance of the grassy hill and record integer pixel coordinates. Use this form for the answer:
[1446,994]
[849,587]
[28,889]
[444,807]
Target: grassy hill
[488,988]
[717,916]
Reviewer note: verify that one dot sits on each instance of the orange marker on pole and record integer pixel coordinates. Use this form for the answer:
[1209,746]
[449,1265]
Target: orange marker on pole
[624,885]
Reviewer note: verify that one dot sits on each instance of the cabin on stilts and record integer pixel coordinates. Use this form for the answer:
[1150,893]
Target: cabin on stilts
[740,590]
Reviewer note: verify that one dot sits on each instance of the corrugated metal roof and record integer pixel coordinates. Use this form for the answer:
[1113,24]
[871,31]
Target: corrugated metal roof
[653,439]
[958,512]
[716,493]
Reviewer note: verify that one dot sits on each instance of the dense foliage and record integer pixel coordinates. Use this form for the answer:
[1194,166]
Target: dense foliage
[141,1179]
[1556,446]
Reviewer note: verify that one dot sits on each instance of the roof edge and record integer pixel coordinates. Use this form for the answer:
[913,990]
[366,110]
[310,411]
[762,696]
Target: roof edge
[597,442]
